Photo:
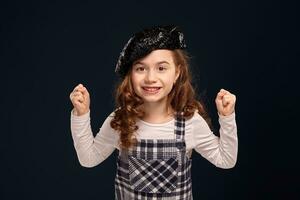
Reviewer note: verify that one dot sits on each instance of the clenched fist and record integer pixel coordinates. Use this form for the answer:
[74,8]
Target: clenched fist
[80,99]
[225,102]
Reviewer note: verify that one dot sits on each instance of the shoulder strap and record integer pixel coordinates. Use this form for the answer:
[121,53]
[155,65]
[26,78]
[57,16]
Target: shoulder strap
[179,126]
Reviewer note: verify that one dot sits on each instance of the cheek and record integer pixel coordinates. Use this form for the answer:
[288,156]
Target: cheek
[169,80]
[134,81]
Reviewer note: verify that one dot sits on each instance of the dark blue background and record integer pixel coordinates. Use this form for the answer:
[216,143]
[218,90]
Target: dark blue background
[246,47]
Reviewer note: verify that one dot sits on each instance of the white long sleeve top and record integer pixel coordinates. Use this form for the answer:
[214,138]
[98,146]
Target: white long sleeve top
[220,151]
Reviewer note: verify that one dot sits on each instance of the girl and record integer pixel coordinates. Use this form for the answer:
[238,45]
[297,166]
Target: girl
[157,122]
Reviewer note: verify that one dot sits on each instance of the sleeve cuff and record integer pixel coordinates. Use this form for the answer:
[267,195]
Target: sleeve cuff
[81,117]
[227,117]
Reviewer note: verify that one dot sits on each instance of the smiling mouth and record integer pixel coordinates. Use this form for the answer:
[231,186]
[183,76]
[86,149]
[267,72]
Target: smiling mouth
[151,89]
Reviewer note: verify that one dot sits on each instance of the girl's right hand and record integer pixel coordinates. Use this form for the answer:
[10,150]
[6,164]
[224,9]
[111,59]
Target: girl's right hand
[80,99]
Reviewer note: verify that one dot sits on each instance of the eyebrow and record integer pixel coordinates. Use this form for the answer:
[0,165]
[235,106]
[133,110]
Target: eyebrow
[160,62]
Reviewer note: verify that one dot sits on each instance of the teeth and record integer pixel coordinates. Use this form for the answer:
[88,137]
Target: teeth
[151,89]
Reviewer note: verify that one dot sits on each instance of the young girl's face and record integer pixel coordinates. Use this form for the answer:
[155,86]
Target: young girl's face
[154,75]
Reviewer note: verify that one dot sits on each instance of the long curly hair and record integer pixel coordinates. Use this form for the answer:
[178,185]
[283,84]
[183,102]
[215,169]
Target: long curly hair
[182,99]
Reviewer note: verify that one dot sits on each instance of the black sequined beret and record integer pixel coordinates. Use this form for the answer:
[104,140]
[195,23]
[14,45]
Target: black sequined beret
[144,42]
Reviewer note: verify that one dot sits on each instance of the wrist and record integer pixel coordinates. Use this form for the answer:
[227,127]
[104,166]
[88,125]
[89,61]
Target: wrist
[79,113]
[225,114]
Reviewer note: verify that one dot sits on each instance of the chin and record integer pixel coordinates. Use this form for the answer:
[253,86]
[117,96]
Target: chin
[153,100]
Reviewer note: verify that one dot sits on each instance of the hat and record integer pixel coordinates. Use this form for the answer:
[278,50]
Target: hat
[144,42]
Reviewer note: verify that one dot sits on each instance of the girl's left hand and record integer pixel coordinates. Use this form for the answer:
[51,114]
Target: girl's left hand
[225,102]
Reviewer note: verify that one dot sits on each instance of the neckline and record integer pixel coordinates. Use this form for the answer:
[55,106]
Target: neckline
[157,124]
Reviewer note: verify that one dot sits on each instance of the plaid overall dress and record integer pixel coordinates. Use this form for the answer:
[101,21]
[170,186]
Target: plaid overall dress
[155,169]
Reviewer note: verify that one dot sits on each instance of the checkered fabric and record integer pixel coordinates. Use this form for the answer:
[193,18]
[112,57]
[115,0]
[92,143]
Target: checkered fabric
[155,169]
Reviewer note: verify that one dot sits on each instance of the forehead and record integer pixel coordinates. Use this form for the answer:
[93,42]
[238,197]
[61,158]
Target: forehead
[157,56]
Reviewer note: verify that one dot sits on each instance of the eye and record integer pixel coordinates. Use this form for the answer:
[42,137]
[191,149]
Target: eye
[161,68]
[140,69]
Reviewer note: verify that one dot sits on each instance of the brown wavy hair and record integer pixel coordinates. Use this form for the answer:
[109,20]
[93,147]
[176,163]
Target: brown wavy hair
[182,98]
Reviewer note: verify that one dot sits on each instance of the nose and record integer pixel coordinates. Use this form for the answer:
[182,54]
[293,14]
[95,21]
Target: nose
[150,77]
